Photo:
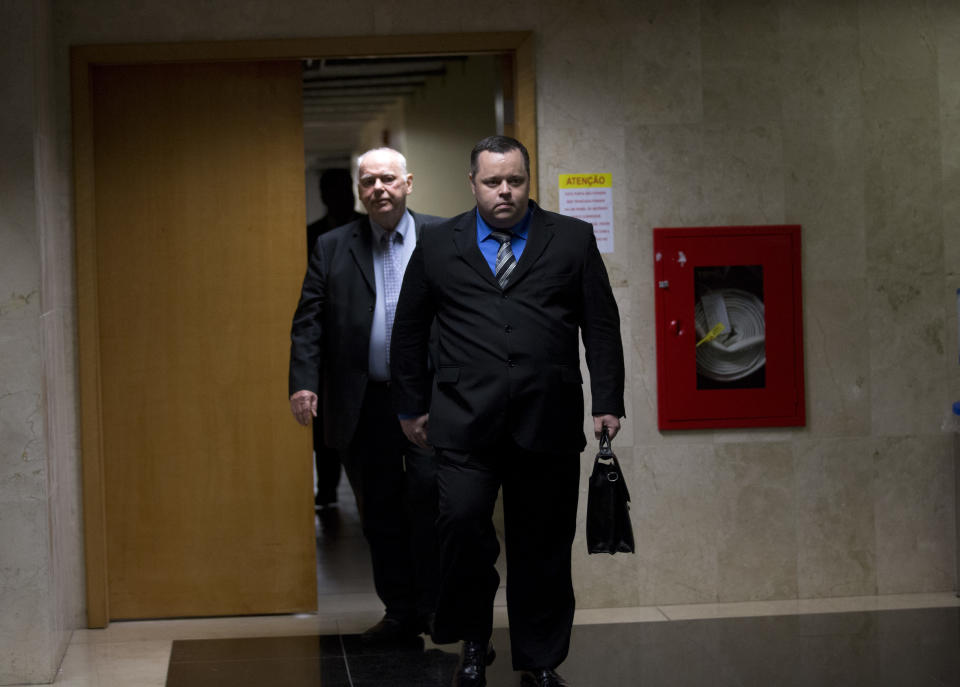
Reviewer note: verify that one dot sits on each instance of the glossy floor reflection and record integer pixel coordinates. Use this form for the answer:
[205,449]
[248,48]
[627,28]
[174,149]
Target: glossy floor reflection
[903,648]
[343,559]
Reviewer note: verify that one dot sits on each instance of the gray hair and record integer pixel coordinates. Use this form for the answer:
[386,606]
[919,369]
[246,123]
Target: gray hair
[384,149]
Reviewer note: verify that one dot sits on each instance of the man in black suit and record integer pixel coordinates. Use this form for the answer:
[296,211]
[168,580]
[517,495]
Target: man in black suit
[340,348]
[336,192]
[510,287]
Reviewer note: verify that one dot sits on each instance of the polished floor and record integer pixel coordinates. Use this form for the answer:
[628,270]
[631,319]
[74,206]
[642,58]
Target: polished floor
[906,648]
[909,640]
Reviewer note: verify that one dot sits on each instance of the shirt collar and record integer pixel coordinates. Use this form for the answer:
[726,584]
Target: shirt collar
[401,230]
[519,229]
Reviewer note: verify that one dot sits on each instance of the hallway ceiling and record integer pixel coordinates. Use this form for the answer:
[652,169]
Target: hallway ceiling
[341,96]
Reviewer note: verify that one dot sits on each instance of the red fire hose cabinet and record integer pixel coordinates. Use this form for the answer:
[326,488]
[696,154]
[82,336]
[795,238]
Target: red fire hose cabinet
[729,327]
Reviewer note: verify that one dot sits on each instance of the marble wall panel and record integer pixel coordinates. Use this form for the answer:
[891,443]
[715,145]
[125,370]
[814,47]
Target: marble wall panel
[906,327]
[820,77]
[741,57]
[65,477]
[902,176]
[22,443]
[23,469]
[500,15]
[947,20]
[914,514]
[758,435]
[835,518]
[26,654]
[19,255]
[820,60]
[642,383]
[576,89]
[417,16]
[950,165]
[951,295]
[898,55]
[628,427]
[837,360]
[757,538]
[96,21]
[587,27]
[676,514]
[823,176]
[40,605]
[55,232]
[665,181]
[54,221]
[812,18]
[662,66]
[743,175]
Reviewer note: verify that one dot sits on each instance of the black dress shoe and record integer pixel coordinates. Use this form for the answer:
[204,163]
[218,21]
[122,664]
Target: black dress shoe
[393,629]
[472,668]
[545,677]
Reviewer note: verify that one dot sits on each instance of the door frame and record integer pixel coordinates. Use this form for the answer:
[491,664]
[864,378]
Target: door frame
[519,44]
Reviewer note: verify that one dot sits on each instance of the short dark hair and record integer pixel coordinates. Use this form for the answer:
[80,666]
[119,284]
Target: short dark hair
[498,144]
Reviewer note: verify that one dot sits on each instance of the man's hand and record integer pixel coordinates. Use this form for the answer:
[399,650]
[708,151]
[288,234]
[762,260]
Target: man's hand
[416,430]
[303,405]
[611,422]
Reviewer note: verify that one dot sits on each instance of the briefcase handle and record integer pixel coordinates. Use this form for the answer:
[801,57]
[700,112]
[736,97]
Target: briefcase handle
[606,450]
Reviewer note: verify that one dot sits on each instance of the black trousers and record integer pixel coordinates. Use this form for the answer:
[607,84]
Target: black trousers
[395,484]
[540,493]
[328,464]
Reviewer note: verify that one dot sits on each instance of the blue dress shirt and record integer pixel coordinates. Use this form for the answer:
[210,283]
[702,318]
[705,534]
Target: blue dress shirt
[489,245]
[406,231]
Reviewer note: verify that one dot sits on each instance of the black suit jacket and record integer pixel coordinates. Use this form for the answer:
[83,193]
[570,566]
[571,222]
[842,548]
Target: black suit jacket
[508,361]
[321,226]
[330,337]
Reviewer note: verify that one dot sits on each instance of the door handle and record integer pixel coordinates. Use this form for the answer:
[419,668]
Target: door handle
[676,327]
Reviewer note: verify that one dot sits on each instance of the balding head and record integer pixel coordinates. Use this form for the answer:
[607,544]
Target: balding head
[383,184]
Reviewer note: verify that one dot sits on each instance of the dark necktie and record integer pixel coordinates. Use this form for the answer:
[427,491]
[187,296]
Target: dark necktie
[505,260]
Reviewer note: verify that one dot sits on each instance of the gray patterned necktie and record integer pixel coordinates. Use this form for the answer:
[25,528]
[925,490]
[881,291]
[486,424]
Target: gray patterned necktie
[392,279]
[505,260]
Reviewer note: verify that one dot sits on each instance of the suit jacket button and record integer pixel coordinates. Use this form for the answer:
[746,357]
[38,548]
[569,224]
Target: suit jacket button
[511,363]
[508,329]
[370,309]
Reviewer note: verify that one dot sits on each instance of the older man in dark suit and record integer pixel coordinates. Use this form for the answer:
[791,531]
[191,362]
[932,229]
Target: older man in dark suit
[340,349]
[510,287]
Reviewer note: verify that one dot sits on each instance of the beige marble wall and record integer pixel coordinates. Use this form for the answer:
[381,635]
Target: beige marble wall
[58,326]
[41,585]
[840,116]
[24,524]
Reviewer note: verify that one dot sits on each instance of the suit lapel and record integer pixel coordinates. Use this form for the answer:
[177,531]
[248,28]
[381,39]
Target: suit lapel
[361,248]
[539,235]
[417,224]
[465,239]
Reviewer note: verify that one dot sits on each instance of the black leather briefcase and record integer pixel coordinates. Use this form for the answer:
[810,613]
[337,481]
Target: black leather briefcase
[608,505]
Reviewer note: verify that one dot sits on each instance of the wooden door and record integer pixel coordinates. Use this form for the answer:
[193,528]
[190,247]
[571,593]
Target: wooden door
[199,216]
